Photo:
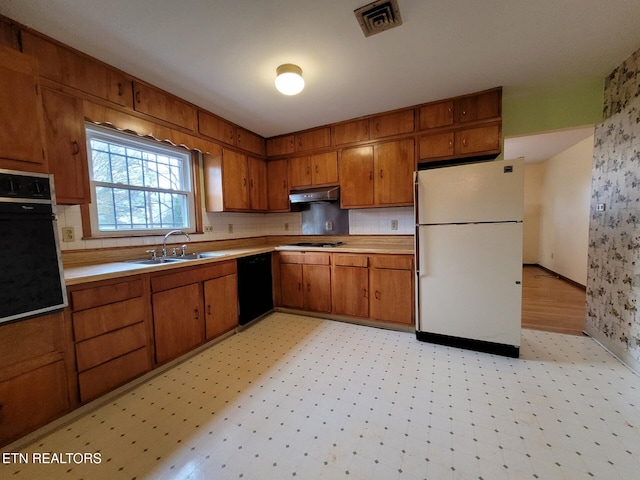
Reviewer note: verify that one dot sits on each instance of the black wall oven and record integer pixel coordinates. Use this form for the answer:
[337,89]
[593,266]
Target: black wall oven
[31,276]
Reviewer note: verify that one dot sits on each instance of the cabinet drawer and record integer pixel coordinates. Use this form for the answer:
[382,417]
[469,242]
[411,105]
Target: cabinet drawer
[397,262]
[96,321]
[191,275]
[347,260]
[306,258]
[107,376]
[96,296]
[97,350]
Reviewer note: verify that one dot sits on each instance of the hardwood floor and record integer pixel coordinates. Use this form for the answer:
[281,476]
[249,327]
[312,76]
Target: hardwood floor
[551,303]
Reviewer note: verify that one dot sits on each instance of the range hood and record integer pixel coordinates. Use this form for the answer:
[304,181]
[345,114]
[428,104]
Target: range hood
[310,195]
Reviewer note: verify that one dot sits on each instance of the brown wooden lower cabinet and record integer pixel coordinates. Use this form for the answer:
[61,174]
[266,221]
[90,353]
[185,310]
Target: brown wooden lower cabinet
[221,305]
[350,286]
[34,375]
[305,281]
[32,399]
[192,305]
[178,321]
[377,287]
[111,333]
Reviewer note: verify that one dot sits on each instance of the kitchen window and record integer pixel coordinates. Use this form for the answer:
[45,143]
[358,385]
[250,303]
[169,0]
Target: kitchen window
[137,185]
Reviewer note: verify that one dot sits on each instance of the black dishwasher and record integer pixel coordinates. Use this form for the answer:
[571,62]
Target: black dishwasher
[255,290]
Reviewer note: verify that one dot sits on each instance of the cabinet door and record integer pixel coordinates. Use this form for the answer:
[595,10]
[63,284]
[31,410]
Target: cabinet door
[481,106]
[394,164]
[235,183]
[391,295]
[178,321]
[32,399]
[249,141]
[436,115]
[313,139]
[277,186]
[355,170]
[22,144]
[317,287]
[392,124]
[257,184]
[356,131]
[280,145]
[324,168]
[216,128]
[299,172]
[291,286]
[479,140]
[221,305]
[436,146]
[350,287]
[66,145]
[164,106]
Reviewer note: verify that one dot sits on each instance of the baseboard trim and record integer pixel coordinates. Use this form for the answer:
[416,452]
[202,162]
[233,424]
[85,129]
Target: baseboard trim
[470,344]
[561,277]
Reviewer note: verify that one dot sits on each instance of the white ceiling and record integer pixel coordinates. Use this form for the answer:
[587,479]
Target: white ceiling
[222,54]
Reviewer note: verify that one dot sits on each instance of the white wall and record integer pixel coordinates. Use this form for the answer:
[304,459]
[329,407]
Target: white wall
[533,176]
[564,189]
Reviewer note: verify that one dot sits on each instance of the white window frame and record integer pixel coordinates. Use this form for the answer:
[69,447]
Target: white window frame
[109,135]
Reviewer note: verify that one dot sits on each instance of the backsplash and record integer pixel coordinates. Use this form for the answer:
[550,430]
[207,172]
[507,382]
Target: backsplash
[373,221]
[613,283]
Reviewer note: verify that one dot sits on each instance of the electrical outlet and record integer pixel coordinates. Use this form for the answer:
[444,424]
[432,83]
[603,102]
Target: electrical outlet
[286,227]
[601,207]
[231,228]
[394,224]
[208,228]
[329,225]
[68,235]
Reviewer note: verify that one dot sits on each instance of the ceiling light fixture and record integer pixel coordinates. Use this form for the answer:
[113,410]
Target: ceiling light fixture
[289,79]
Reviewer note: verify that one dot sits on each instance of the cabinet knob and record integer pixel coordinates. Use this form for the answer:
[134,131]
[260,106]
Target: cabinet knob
[197,312]
[464,142]
[366,293]
[284,184]
[244,182]
[251,183]
[208,309]
[381,173]
[299,286]
[120,89]
[76,147]
[308,169]
[370,175]
[317,169]
[308,287]
[138,96]
[377,295]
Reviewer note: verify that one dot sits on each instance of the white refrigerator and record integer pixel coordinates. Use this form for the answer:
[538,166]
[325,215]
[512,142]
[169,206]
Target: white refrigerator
[468,245]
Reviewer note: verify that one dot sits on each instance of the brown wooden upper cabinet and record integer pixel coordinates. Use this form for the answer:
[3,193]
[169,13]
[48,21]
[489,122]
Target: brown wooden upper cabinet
[249,141]
[277,186]
[234,182]
[164,106]
[22,140]
[481,140]
[281,145]
[318,169]
[433,115]
[216,128]
[480,106]
[77,70]
[377,175]
[313,139]
[66,146]
[392,124]
[349,132]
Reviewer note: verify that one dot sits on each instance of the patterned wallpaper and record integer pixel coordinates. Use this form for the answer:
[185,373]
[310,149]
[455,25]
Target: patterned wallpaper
[613,284]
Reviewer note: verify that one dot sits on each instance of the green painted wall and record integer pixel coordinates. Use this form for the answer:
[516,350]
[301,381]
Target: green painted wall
[548,109]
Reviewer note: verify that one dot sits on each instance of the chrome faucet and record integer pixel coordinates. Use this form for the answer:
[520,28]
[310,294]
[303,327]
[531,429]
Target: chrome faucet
[164,242]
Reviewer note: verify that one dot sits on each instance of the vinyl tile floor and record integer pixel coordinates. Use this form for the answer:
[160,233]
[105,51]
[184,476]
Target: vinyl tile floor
[299,397]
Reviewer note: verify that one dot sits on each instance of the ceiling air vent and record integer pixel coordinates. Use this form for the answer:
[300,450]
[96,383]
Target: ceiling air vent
[378,16]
